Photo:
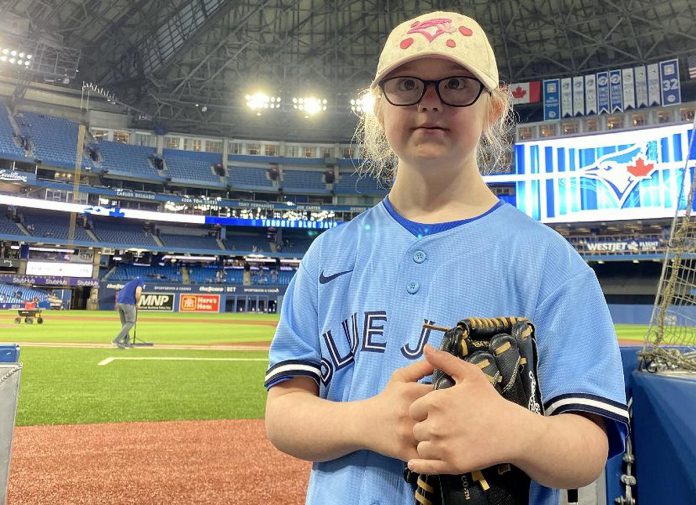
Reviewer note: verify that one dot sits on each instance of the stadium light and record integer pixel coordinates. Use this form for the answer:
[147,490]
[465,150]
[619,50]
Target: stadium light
[260,101]
[15,57]
[363,104]
[310,105]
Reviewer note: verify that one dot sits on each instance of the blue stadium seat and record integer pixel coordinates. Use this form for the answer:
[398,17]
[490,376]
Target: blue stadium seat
[195,168]
[249,178]
[9,148]
[122,233]
[128,160]
[185,242]
[55,225]
[304,182]
[351,183]
[54,139]
[9,227]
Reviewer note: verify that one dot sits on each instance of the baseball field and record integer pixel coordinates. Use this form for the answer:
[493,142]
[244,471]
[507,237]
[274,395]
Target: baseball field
[176,422]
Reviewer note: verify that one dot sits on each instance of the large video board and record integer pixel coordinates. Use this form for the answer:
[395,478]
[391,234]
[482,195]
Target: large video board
[636,174]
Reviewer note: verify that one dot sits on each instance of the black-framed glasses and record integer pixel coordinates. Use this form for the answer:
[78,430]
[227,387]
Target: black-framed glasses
[455,91]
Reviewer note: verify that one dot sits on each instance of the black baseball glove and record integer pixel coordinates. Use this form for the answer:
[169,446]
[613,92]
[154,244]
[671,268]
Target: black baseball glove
[504,348]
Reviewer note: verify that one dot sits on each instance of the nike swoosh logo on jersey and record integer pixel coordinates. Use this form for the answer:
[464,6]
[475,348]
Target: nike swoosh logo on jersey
[323,279]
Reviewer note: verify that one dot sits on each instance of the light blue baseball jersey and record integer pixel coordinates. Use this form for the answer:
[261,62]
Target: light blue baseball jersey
[354,312]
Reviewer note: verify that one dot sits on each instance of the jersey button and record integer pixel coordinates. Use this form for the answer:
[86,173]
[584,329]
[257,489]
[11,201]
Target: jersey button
[412,287]
[419,256]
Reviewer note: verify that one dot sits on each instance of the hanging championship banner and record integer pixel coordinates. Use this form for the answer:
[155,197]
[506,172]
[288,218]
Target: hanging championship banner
[615,91]
[691,65]
[654,97]
[552,99]
[578,96]
[641,84]
[669,78]
[629,93]
[602,92]
[591,94]
[566,97]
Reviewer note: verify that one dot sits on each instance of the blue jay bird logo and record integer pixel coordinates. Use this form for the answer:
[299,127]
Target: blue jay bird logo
[104,211]
[621,171]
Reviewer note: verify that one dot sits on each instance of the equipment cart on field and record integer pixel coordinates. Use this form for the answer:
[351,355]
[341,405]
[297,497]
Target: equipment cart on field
[29,316]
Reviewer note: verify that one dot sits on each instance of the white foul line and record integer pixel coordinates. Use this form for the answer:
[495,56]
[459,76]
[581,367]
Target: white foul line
[106,361]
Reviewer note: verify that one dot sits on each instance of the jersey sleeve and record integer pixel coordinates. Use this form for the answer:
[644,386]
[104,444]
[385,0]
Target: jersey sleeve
[295,349]
[580,366]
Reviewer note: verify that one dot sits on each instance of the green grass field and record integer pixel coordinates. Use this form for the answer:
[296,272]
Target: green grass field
[68,385]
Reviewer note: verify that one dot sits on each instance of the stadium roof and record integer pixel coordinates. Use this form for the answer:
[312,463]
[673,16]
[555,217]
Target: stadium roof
[187,64]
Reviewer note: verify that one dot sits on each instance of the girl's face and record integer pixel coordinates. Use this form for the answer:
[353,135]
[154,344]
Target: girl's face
[431,133]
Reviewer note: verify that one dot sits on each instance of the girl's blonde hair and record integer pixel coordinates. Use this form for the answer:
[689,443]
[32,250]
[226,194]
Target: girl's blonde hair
[493,153]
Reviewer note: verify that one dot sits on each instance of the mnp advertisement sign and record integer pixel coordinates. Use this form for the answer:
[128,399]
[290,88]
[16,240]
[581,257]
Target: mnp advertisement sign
[199,303]
[157,302]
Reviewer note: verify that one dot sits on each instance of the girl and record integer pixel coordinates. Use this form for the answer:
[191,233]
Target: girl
[351,346]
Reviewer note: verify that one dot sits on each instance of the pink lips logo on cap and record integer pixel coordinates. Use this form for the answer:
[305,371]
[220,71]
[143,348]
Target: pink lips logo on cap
[431,29]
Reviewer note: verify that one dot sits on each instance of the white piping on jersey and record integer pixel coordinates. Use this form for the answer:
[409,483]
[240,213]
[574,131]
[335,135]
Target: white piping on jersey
[575,400]
[292,367]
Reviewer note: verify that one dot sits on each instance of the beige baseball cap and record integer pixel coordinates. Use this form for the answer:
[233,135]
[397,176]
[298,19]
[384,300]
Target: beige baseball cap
[441,34]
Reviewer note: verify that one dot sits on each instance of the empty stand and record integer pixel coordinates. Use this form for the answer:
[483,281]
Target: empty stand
[246,243]
[119,232]
[126,160]
[149,274]
[11,293]
[54,139]
[304,181]
[190,167]
[185,242]
[213,275]
[9,227]
[351,183]
[249,178]
[9,148]
[55,226]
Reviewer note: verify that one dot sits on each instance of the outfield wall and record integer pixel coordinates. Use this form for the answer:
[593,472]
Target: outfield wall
[165,297]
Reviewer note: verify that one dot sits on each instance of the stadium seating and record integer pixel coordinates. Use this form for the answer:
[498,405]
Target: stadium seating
[289,161]
[184,242]
[149,274]
[9,147]
[190,167]
[56,225]
[353,183]
[246,243]
[304,182]
[54,139]
[129,161]
[10,293]
[295,245]
[9,227]
[211,275]
[122,233]
[249,178]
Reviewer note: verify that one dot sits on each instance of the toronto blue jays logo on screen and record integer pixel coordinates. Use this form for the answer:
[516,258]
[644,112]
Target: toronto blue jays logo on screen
[623,170]
[630,174]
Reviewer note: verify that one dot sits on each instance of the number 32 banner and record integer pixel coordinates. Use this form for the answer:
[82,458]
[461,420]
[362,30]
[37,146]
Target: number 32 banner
[669,80]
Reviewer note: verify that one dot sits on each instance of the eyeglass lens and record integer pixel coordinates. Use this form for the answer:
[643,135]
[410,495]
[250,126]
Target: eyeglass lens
[457,91]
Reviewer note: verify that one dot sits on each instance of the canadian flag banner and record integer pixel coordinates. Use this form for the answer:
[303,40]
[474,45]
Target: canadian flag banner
[525,92]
